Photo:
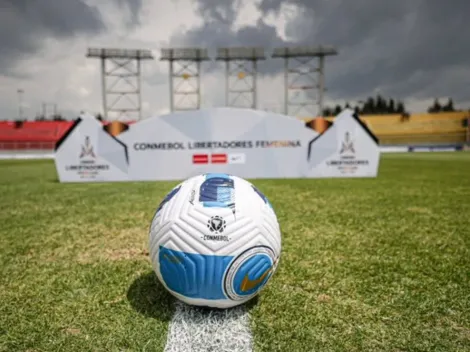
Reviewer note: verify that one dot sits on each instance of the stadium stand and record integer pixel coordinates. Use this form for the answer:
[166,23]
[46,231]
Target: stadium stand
[41,135]
[31,135]
[417,129]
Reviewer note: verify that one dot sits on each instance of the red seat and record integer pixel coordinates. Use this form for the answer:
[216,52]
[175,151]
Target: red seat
[31,134]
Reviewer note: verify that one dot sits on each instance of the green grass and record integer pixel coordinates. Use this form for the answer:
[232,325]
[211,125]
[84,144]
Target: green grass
[367,265]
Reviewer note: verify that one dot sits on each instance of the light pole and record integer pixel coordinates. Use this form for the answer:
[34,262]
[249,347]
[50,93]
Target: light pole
[20,103]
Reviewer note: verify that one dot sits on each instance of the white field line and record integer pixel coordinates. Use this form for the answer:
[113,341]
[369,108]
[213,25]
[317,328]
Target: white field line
[194,329]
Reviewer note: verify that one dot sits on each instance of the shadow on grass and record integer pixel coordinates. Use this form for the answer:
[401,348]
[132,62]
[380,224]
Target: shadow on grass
[149,297]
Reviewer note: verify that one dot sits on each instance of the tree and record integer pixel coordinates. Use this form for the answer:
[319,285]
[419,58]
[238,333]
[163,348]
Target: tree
[58,117]
[327,112]
[347,106]
[380,105]
[436,107]
[400,107]
[369,106]
[357,110]
[337,110]
[449,107]
[391,106]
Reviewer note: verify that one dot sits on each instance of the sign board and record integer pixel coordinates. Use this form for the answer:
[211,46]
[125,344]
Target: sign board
[346,149]
[247,143]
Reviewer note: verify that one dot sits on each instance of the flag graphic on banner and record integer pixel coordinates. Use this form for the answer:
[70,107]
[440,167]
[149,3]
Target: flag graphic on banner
[219,158]
[200,159]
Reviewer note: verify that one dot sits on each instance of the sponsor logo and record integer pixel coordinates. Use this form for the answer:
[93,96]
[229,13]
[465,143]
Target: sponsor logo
[172,259]
[193,145]
[192,196]
[216,225]
[248,284]
[87,149]
[347,145]
[347,163]
[87,167]
[236,158]
[158,146]
[249,272]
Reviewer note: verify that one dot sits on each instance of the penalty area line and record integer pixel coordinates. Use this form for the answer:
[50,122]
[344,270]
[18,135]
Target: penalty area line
[195,329]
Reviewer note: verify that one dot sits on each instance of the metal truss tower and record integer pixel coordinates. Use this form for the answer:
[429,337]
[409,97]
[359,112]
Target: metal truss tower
[241,72]
[304,82]
[121,81]
[185,76]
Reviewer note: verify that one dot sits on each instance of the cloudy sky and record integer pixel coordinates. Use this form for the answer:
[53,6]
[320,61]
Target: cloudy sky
[411,50]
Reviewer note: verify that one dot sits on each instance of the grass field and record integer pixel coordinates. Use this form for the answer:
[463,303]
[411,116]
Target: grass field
[367,265]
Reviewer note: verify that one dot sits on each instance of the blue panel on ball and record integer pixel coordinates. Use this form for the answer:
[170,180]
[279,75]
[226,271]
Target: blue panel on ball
[218,190]
[262,196]
[168,198]
[252,275]
[217,175]
[193,275]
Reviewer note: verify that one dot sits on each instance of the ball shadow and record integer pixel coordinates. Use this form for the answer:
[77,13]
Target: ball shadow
[148,297]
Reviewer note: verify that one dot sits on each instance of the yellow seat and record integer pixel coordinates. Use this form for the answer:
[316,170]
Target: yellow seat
[417,129]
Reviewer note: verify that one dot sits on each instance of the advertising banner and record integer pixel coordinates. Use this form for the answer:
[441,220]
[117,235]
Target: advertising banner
[242,142]
[346,149]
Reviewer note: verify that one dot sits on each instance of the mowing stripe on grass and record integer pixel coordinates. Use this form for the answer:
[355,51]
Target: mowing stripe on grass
[195,329]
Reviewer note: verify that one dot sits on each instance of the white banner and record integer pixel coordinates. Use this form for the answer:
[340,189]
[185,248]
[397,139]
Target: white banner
[242,142]
[394,149]
[346,149]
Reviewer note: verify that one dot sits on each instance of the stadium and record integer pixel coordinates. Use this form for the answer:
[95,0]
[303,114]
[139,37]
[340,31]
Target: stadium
[372,203]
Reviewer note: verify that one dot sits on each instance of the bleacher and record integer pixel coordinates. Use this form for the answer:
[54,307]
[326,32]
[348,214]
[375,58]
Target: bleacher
[31,135]
[34,135]
[416,129]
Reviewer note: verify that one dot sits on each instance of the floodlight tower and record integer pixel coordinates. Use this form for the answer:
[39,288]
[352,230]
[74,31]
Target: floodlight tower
[304,76]
[121,81]
[185,78]
[241,72]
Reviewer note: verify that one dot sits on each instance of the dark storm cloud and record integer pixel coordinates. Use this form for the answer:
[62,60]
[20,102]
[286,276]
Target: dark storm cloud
[24,24]
[397,47]
[211,36]
[402,48]
[216,31]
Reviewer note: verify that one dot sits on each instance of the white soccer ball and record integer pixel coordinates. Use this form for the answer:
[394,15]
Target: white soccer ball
[215,241]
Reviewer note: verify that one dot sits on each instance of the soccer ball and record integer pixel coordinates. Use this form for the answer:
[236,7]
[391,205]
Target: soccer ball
[215,241]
